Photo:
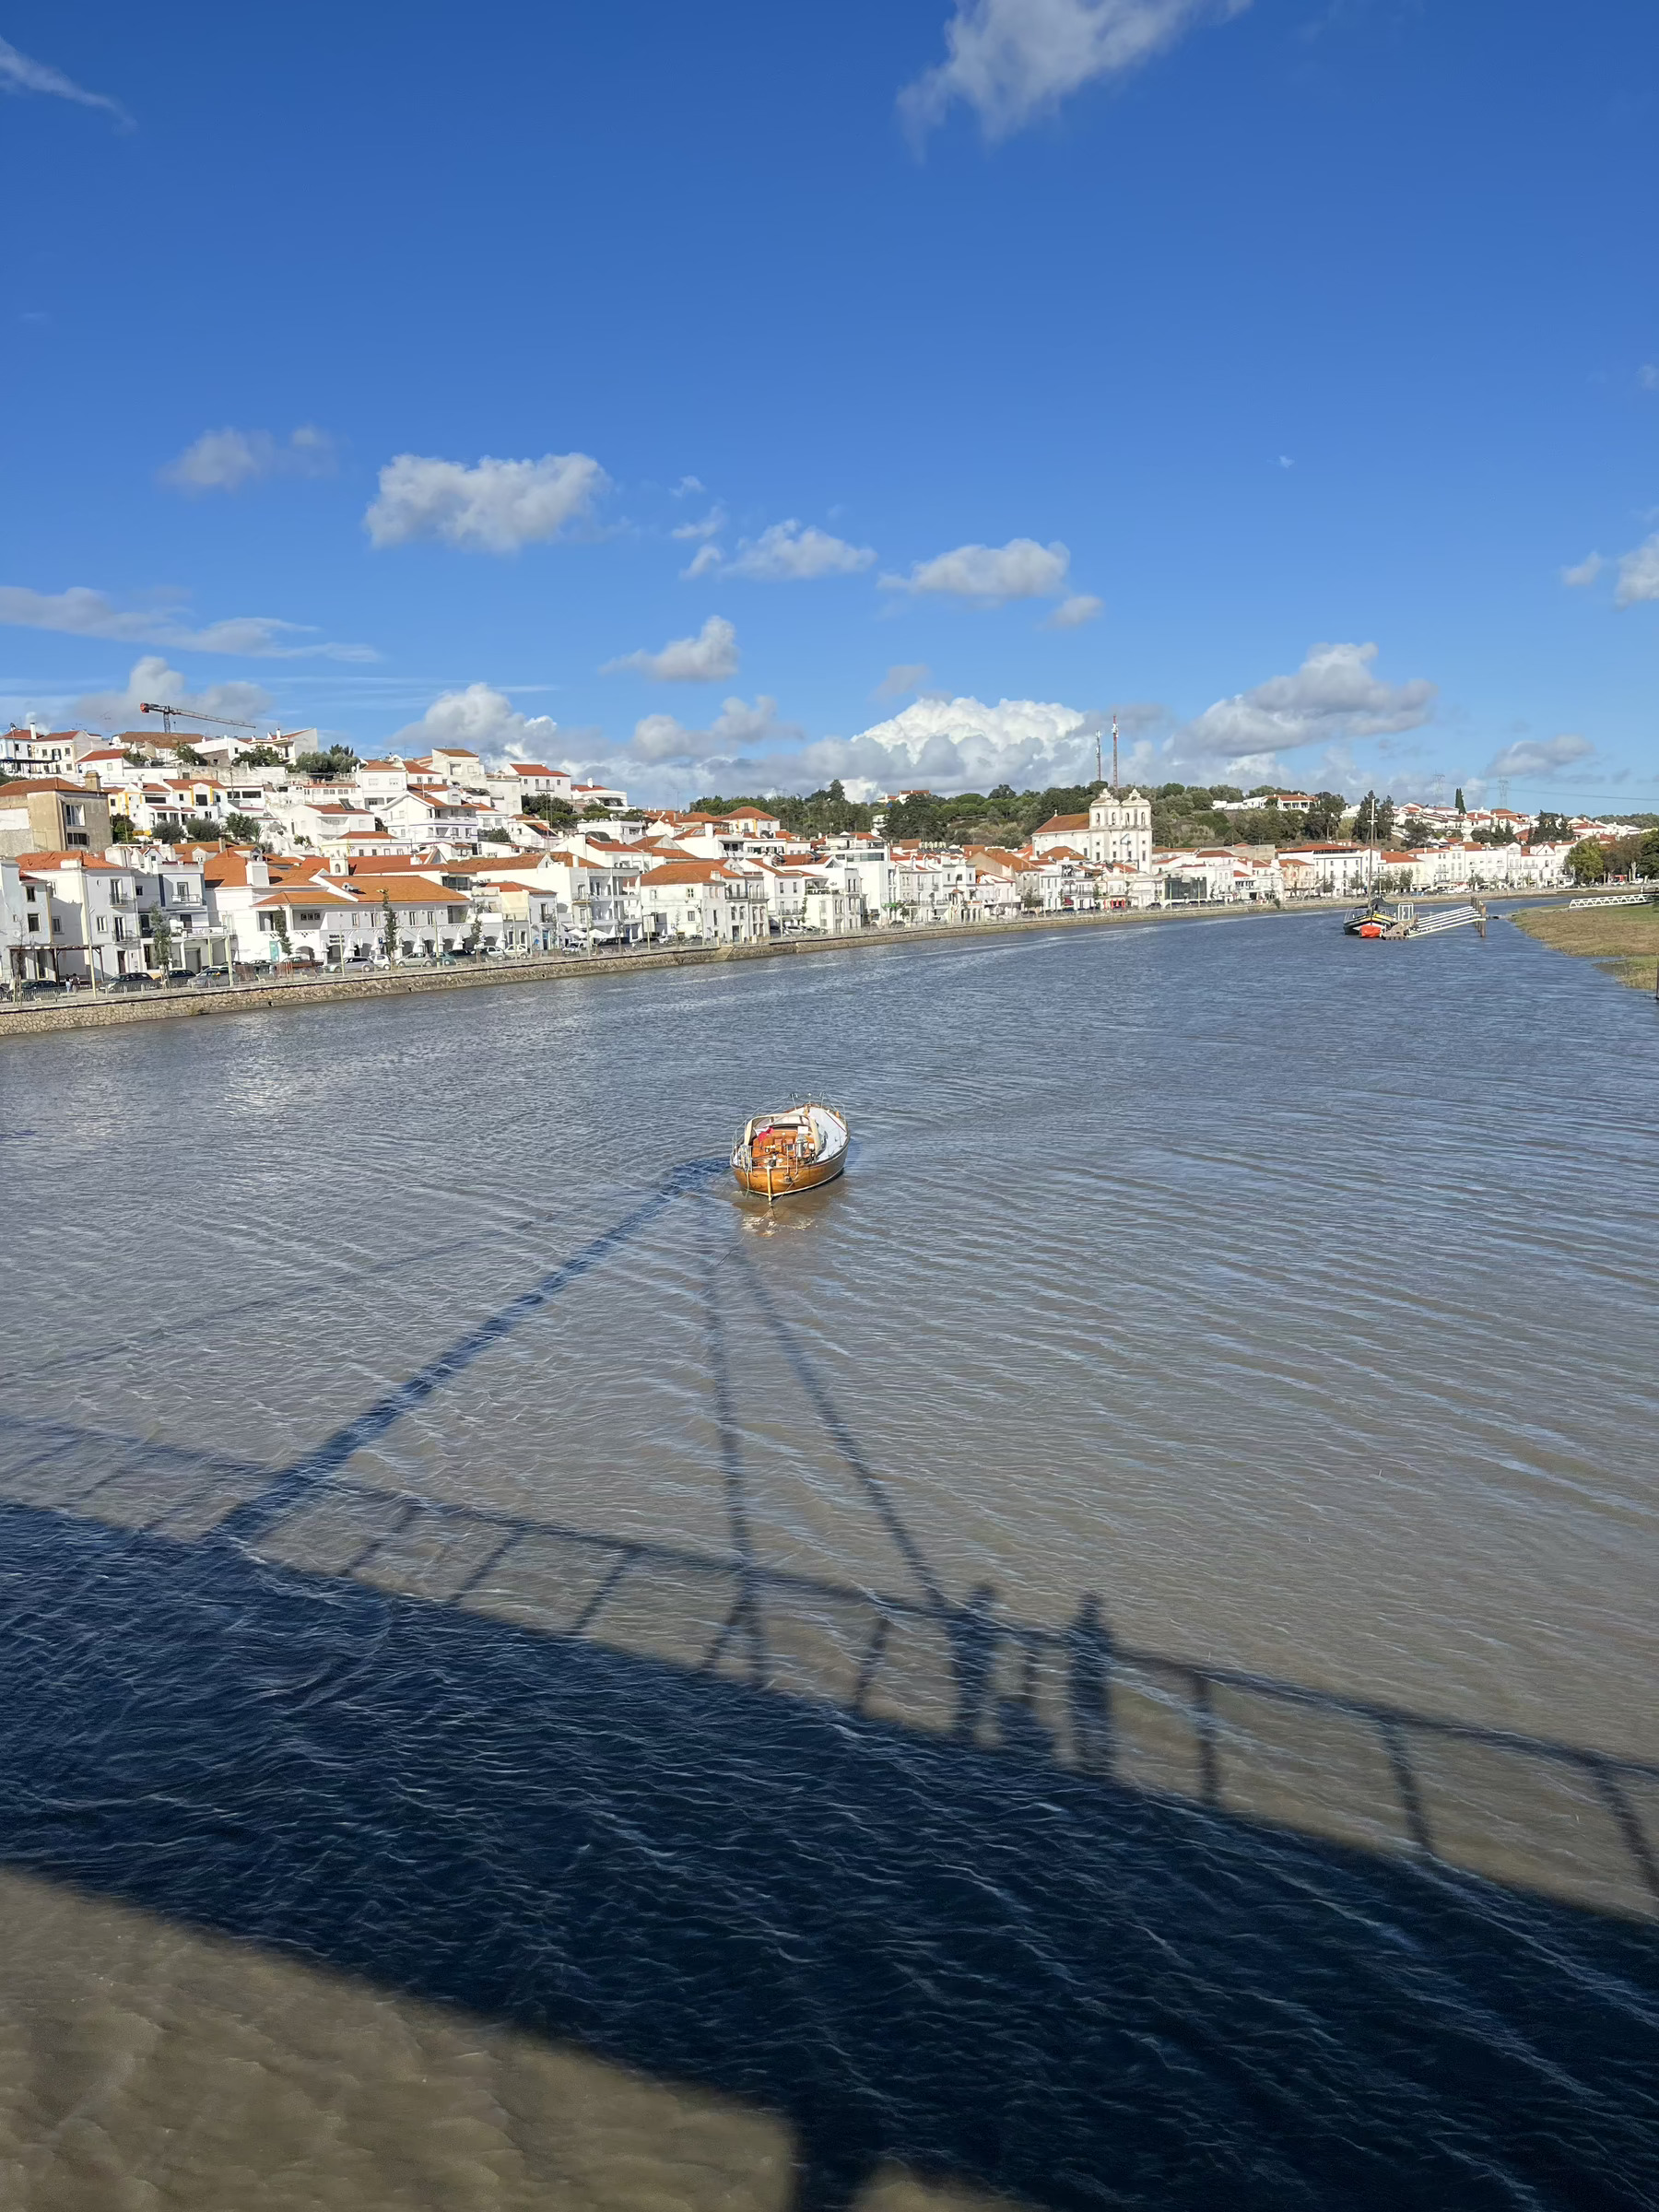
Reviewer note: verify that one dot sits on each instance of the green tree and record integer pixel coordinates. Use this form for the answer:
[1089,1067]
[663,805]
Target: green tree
[161,941]
[123,831]
[187,756]
[260,756]
[1324,818]
[338,764]
[556,811]
[280,930]
[1647,855]
[388,929]
[1365,821]
[1458,802]
[1550,829]
[242,828]
[1385,820]
[1587,862]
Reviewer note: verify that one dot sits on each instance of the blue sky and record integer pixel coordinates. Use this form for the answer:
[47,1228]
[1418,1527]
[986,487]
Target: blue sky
[1282,373]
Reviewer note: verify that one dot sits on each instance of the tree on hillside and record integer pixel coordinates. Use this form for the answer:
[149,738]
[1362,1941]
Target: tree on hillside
[388,929]
[1365,821]
[242,828]
[1385,820]
[1324,818]
[260,756]
[1587,862]
[1550,829]
[338,764]
[1458,801]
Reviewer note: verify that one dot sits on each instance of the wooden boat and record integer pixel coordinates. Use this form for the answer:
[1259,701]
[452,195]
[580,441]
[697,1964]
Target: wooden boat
[780,1154]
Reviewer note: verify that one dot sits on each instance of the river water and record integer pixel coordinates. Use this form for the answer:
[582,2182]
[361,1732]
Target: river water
[1108,1658]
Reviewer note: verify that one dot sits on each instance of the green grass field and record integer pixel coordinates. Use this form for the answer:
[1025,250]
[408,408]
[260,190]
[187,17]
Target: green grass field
[1625,939]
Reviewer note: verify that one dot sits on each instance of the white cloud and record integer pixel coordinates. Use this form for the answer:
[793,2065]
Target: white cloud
[1582,572]
[660,737]
[685,485]
[904,676]
[1332,696]
[152,679]
[1639,575]
[788,552]
[1541,757]
[496,507]
[226,460]
[1071,614]
[712,524]
[708,658]
[1014,60]
[1286,462]
[990,574]
[82,613]
[483,720]
[18,73]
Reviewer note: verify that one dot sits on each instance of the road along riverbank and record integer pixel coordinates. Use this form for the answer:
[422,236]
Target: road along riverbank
[87,1012]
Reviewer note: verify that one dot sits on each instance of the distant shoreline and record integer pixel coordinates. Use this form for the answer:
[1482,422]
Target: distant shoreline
[88,1013]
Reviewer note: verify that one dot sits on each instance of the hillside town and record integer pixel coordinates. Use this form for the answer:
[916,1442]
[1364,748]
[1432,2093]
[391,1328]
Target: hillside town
[140,857]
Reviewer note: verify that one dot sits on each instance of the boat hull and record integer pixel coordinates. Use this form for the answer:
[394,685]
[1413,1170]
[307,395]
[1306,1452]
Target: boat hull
[789,1180]
[781,1154]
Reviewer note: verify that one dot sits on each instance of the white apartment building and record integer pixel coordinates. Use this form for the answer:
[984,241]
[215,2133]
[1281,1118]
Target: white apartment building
[711,900]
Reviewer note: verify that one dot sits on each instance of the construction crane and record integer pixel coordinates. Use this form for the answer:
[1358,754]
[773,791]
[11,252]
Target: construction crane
[170,714]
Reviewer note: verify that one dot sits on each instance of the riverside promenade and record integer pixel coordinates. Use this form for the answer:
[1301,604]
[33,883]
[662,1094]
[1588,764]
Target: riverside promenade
[85,1011]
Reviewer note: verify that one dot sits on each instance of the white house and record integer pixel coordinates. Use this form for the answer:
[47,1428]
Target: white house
[710,899]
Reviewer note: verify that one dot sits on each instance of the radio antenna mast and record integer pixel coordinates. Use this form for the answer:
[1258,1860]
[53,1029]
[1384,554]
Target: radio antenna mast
[1114,759]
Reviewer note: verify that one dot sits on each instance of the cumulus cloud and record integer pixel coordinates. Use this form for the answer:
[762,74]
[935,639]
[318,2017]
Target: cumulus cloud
[990,574]
[661,738]
[83,613]
[18,73]
[493,507]
[708,658]
[1015,60]
[1541,757]
[152,679]
[789,552]
[1071,614]
[904,676]
[1334,696]
[1639,575]
[226,460]
[1582,572]
[483,720]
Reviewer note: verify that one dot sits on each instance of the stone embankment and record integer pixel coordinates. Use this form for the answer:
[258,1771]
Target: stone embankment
[85,1012]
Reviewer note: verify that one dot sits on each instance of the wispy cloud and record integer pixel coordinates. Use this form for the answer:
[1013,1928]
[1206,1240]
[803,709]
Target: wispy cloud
[658,738]
[989,574]
[82,613]
[1541,757]
[488,507]
[226,460]
[1012,61]
[791,552]
[1336,695]
[152,678]
[711,657]
[18,73]
[1073,613]
[1583,573]
[1639,575]
[904,676]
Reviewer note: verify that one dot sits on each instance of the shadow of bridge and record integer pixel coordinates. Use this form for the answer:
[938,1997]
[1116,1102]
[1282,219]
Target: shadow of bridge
[1082,1924]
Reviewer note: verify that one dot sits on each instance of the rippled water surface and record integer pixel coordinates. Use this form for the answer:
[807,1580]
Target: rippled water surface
[1108,1658]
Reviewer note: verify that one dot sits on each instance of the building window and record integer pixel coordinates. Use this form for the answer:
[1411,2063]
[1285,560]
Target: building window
[34,920]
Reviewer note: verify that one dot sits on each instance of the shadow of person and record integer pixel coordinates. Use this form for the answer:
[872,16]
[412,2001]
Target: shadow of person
[1090,1655]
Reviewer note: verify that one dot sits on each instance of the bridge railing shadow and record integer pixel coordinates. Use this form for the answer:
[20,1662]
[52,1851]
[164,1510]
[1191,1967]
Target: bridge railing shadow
[1085,1924]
